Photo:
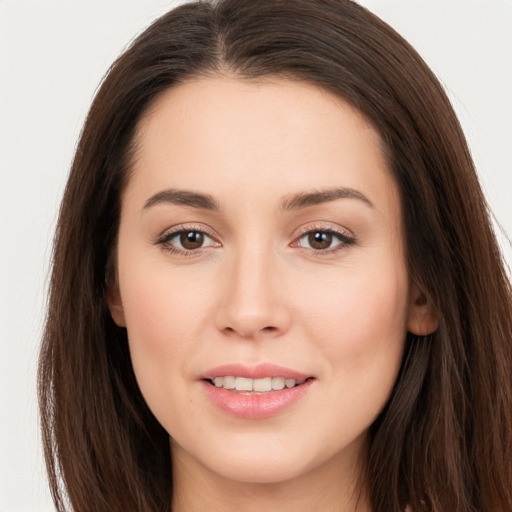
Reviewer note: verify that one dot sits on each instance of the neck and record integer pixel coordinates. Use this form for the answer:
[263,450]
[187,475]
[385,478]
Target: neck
[331,487]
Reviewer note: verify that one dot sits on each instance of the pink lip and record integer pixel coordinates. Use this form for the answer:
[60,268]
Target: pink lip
[250,406]
[253,372]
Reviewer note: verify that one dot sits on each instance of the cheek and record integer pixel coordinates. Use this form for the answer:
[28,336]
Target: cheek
[358,304]
[358,326]
[160,306]
[162,321]
[359,323]
[163,318]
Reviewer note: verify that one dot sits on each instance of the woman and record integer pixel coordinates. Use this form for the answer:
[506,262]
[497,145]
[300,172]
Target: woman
[275,283]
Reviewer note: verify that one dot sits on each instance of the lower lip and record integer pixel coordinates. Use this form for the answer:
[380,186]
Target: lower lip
[255,407]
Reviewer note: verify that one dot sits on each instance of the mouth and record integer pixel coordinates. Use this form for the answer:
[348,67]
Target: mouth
[255,391]
[259,386]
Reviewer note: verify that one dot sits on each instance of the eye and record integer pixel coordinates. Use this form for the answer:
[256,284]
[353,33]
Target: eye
[186,240]
[324,240]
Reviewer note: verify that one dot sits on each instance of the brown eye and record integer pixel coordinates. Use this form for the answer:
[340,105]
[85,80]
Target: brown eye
[191,239]
[187,241]
[320,240]
[325,240]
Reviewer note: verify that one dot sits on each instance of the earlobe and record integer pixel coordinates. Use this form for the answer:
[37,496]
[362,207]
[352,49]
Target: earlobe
[114,302]
[422,317]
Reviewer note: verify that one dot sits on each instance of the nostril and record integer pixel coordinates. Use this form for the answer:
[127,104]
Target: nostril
[250,333]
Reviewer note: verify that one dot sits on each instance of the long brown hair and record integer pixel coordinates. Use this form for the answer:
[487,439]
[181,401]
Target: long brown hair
[444,440]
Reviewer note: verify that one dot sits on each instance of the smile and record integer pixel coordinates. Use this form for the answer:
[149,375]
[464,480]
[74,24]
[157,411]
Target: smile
[248,385]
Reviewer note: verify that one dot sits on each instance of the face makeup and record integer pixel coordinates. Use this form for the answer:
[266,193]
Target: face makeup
[255,392]
[262,278]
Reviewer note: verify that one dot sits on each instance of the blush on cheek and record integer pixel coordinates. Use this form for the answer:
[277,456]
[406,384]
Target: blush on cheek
[359,316]
[163,323]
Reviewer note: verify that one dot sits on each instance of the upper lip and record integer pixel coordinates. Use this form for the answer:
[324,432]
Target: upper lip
[253,371]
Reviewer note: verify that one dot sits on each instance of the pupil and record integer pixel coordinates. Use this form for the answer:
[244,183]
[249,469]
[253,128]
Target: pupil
[320,240]
[191,239]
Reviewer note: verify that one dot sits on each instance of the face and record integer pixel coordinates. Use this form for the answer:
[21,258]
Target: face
[260,247]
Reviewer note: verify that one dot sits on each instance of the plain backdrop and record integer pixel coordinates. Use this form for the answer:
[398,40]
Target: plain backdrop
[54,53]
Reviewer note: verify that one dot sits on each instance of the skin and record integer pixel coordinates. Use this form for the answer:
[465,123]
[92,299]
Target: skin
[256,291]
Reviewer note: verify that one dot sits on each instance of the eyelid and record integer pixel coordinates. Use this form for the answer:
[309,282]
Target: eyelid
[324,226]
[167,235]
[173,230]
[344,235]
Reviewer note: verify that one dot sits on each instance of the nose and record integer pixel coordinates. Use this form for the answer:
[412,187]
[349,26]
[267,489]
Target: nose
[252,300]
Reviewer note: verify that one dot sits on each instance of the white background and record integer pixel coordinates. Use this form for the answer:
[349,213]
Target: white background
[52,57]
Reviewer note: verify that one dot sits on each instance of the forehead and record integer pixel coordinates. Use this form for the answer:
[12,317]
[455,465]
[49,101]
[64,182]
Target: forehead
[272,135]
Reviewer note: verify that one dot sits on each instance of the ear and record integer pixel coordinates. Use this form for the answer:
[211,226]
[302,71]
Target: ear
[422,318]
[114,302]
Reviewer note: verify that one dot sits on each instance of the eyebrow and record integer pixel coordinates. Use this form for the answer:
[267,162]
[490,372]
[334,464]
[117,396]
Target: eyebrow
[292,202]
[183,198]
[307,199]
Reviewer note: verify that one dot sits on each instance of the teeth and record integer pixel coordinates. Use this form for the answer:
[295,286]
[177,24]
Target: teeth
[229,382]
[262,384]
[258,385]
[277,383]
[243,384]
[289,383]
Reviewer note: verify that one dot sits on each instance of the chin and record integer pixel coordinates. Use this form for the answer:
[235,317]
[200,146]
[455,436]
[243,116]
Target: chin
[259,470]
[259,459]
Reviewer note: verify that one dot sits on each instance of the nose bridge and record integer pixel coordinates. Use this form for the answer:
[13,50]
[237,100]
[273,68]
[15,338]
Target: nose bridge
[252,300]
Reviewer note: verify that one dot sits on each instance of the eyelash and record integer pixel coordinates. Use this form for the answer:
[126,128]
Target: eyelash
[166,238]
[345,240]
